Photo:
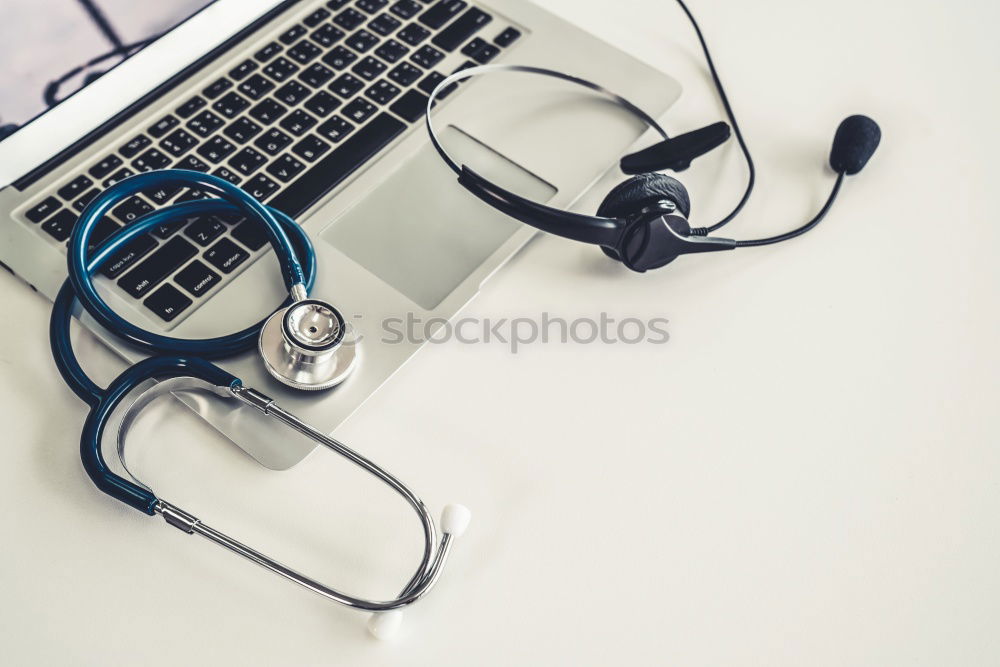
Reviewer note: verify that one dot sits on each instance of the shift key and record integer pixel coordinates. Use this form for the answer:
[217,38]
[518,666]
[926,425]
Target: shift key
[157,266]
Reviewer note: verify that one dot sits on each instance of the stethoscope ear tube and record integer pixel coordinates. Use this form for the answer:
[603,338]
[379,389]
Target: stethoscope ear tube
[153,368]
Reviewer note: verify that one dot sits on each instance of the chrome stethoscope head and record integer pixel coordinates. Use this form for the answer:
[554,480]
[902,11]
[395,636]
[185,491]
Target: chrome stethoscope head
[308,345]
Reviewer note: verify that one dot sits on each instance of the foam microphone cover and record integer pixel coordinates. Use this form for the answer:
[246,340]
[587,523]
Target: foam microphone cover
[854,143]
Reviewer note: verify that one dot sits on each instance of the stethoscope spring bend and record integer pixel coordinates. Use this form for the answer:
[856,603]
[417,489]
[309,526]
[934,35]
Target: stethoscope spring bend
[304,344]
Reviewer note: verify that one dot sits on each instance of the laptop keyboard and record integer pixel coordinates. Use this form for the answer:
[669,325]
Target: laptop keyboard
[287,124]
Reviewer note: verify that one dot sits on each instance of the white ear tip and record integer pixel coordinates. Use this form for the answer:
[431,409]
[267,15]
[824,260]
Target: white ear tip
[385,624]
[455,519]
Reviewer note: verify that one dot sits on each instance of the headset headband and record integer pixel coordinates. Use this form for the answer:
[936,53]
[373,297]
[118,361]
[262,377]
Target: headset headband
[586,228]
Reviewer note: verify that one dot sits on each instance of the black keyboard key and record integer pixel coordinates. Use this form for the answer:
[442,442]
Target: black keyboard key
[316,75]
[507,37]
[473,47]
[251,234]
[179,142]
[205,123]
[281,69]
[371,6]
[247,161]
[151,160]
[322,104]
[267,52]
[131,209]
[191,163]
[60,225]
[128,256]
[336,4]
[42,209]
[85,199]
[358,111]
[230,105]
[167,302]
[441,13]
[413,34]
[430,82]
[369,67]
[405,9]
[256,87]
[291,35]
[327,35]
[191,194]
[273,141]
[292,93]
[304,52]
[228,174]
[187,109]
[162,126]
[136,144]
[427,56]
[197,278]
[381,92]
[101,232]
[105,166]
[335,129]
[310,148]
[226,255]
[162,195]
[486,54]
[339,58]
[215,149]
[349,19]
[362,41]
[117,177]
[151,272]
[242,130]
[285,168]
[316,17]
[205,230]
[410,106]
[260,187]
[75,188]
[463,28]
[267,111]
[392,51]
[404,74]
[297,122]
[243,69]
[338,164]
[384,24]
[347,85]
[216,88]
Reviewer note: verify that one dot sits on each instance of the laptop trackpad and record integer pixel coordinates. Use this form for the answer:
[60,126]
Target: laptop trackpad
[422,232]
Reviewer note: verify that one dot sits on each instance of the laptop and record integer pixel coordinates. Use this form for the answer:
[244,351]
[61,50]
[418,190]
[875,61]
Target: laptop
[315,108]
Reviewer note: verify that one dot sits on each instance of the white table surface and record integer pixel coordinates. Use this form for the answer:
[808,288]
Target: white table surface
[806,473]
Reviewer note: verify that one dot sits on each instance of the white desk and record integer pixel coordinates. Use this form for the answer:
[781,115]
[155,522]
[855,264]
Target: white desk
[805,474]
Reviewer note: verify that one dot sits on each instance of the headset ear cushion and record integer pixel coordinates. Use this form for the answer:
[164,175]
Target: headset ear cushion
[635,193]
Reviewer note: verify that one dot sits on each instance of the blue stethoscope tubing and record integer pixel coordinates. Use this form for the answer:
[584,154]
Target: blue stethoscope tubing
[175,356]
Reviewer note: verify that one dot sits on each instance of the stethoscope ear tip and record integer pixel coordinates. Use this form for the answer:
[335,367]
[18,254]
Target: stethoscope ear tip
[384,625]
[455,519]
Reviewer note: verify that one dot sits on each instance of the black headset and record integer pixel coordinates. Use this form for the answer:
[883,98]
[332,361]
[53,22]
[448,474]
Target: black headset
[643,221]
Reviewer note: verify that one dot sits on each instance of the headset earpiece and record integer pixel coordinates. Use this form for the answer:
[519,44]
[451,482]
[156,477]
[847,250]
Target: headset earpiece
[643,190]
[630,198]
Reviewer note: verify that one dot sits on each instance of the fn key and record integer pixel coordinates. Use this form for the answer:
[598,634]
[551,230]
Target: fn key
[167,302]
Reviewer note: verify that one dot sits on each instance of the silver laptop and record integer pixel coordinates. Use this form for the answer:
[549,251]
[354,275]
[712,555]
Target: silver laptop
[314,107]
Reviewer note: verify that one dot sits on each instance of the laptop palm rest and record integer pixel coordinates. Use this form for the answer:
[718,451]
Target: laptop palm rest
[421,232]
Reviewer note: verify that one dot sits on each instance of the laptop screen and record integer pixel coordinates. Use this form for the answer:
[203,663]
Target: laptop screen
[51,49]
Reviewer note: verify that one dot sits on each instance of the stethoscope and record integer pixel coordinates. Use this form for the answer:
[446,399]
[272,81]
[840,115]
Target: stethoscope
[304,344]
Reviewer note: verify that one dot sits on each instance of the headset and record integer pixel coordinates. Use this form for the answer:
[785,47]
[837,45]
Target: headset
[643,221]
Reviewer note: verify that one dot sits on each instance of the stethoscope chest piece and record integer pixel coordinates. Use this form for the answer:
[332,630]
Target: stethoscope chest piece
[308,345]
